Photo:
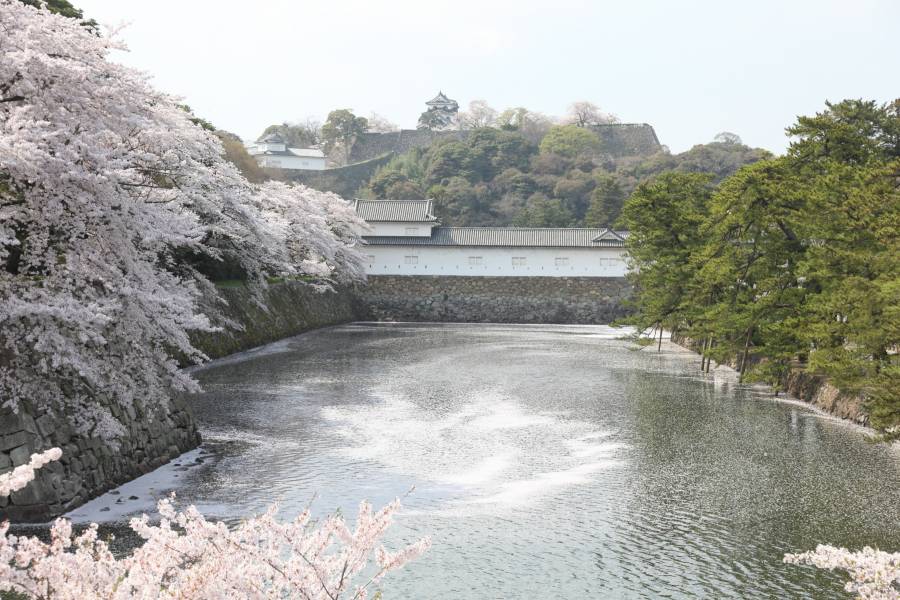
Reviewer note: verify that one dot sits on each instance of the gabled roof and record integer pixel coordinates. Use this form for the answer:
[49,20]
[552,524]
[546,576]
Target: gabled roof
[395,210]
[609,235]
[440,99]
[533,237]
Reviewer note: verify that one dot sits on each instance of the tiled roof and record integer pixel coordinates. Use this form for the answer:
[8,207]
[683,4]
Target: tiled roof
[509,237]
[395,210]
[441,98]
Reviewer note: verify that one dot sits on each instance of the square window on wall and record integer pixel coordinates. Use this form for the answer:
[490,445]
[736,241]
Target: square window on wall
[562,261]
[411,260]
[412,231]
[476,260]
[519,261]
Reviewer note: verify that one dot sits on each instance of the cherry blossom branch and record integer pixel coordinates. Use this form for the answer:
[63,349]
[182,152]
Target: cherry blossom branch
[22,475]
[874,574]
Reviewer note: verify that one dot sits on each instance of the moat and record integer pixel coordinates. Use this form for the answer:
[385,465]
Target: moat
[545,461]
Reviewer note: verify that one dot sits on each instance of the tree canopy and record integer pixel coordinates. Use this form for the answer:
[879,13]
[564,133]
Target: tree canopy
[571,141]
[340,130]
[792,262]
[118,207]
[528,171]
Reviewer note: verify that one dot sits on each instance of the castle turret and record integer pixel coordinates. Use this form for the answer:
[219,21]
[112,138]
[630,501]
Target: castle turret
[441,114]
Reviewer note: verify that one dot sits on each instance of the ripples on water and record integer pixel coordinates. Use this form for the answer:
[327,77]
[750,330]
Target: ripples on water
[547,461]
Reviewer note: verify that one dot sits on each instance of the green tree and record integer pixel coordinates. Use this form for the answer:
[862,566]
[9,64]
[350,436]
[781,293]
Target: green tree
[570,141]
[792,263]
[746,290]
[851,132]
[64,8]
[541,211]
[340,131]
[394,185]
[445,161]
[607,200]
[848,157]
[463,203]
[490,151]
[296,135]
[574,190]
[664,217]
[237,154]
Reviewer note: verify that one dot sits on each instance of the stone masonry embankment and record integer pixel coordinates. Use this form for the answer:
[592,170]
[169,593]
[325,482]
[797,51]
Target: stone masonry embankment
[91,465]
[810,388]
[281,311]
[496,299]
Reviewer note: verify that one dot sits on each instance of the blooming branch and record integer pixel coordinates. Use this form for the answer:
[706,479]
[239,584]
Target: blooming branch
[19,477]
[874,574]
[188,557]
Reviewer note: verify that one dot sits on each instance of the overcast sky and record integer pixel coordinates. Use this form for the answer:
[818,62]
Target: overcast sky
[689,68]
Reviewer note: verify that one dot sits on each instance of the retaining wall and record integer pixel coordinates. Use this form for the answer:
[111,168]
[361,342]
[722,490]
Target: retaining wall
[281,311]
[808,387]
[496,299]
[343,181]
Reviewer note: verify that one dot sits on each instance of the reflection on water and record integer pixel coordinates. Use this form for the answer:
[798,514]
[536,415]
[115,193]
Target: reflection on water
[547,461]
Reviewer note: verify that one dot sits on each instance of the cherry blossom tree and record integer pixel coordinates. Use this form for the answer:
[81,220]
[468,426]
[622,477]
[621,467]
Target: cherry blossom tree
[874,574]
[381,124]
[186,556]
[322,231]
[585,113]
[108,194]
[480,114]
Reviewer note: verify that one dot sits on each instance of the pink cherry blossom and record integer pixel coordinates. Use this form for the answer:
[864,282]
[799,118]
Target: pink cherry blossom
[106,187]
[19,477]
[874,574]
[186,556]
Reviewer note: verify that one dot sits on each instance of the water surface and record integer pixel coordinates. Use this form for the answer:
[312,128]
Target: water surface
[546,461]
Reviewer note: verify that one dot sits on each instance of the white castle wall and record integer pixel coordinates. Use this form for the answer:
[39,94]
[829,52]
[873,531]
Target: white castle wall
[495,262]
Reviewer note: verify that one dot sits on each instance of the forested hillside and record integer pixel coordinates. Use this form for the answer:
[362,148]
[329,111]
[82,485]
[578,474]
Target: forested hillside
[792,262]
[501,177]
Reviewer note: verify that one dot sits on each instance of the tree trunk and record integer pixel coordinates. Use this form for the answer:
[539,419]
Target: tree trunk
[709,360]
[744,357]
[659,346]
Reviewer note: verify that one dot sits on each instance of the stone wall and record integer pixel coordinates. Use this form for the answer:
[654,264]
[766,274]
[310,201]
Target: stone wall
[628,139]
[496,299]
[281,311]
[343,181]
[372,144]
[816,390]
[91,466]
[807,387]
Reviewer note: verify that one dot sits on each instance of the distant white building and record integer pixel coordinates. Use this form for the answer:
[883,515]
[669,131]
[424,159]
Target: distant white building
[272,152]
[407,239]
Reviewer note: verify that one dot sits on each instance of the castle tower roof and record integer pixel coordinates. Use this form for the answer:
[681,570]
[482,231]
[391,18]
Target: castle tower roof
[441,100]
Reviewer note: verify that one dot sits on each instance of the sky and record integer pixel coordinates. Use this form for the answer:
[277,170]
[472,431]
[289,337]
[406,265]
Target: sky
[690,68]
